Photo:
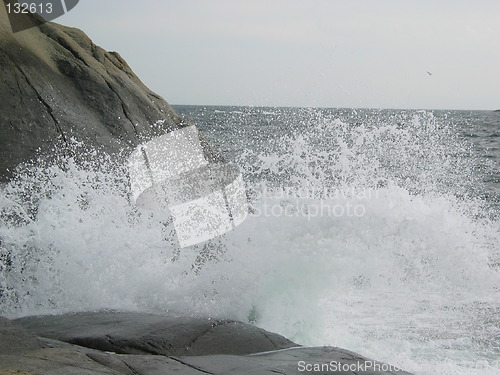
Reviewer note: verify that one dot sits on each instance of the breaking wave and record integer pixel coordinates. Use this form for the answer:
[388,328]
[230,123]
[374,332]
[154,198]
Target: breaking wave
[373,234]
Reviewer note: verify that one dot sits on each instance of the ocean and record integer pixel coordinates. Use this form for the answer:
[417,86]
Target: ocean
[372,230]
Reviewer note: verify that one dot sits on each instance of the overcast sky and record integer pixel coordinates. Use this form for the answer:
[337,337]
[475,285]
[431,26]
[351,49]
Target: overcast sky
[321,53]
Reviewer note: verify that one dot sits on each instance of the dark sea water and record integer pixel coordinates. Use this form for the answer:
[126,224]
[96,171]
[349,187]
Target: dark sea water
[372,230]
[473,135]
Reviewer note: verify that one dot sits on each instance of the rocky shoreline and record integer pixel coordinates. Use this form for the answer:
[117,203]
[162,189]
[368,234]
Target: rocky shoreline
[131,343]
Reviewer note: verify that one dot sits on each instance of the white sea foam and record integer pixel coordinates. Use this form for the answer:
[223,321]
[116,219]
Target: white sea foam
[414,281]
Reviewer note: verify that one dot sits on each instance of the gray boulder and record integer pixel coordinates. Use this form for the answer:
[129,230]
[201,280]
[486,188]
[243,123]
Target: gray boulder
[134,333]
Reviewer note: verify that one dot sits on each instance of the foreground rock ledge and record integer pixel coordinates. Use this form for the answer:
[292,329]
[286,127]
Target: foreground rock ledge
[148,344]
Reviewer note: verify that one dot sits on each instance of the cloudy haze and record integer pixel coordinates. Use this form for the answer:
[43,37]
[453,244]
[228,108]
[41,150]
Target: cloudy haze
[322,53]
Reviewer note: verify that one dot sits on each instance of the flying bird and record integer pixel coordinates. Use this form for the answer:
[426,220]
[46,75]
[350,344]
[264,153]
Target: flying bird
[429,73]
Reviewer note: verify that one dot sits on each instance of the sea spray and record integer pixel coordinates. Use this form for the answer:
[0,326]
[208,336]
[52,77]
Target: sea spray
[412,281]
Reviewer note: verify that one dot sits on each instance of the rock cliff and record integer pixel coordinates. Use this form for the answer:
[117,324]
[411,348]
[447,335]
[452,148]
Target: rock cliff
[56,84]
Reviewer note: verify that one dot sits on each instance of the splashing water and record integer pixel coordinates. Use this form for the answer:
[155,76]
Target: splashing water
[367,232]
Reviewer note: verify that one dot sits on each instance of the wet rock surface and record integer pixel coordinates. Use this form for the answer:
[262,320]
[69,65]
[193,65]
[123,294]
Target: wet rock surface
[132,333]
[115,343]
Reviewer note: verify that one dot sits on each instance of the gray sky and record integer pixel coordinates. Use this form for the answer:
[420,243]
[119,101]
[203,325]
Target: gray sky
[324,53]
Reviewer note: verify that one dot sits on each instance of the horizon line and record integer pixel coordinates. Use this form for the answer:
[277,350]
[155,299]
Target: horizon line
[327,107]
